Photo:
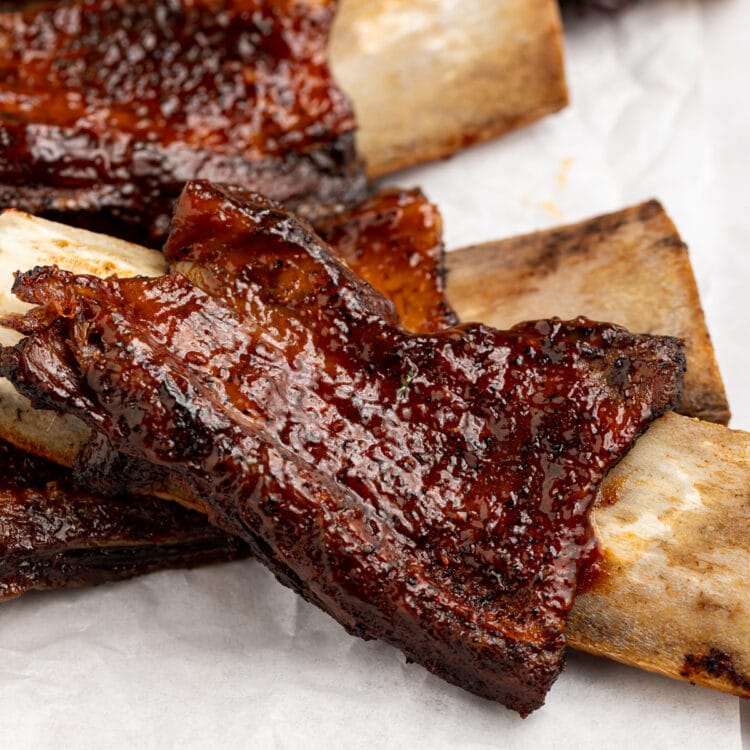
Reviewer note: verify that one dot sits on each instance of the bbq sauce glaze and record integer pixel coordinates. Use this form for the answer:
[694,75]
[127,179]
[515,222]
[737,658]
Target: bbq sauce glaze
[53,533]
[107,107]
[394,240]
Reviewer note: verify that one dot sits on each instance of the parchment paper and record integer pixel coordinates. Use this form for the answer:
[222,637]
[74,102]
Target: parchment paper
[225,657]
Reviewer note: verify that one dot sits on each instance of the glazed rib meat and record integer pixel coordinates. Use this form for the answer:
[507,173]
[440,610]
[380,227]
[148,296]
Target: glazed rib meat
[107,107]
[431,490]
[393,239]
[53,534]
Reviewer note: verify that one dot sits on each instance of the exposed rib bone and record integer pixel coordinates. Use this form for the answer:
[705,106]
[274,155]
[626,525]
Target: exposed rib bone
[430,77]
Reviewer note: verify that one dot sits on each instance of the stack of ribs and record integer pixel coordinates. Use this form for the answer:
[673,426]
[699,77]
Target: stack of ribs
[291,382]
[54,533]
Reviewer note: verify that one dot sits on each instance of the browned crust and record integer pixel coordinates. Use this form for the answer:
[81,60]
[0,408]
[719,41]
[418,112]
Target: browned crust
[443,586]
[244,96]
[427,79]
[430,78]
[54,534]
[630,267]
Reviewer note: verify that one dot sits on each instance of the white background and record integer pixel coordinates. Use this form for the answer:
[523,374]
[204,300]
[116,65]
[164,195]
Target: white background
[224,657]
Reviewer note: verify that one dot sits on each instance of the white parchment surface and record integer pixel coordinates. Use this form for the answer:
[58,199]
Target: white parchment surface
[225,657]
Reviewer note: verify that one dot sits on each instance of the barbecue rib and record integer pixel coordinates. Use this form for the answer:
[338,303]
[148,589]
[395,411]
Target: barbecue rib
[630,267]
[360,462]
[409,269]
[107,107]
[54,534]
[393,239]
[491,283]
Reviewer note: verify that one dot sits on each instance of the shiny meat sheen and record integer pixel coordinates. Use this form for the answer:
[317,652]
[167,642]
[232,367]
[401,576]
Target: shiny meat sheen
[107,107]
[53,533]
[394,240]
[430,490]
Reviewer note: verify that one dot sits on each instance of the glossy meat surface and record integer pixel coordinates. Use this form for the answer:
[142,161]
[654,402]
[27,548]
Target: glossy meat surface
[430,490]
[394,240]
[107,107]
[53,534]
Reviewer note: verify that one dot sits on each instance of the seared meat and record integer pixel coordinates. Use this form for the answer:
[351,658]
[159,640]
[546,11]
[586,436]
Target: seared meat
[54,534]
[107,107]
[431,490]
[393,240]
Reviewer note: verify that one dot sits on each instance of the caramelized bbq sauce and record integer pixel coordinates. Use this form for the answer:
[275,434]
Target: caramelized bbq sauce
[53,533]
[107,107]
[429,490]
[393,239]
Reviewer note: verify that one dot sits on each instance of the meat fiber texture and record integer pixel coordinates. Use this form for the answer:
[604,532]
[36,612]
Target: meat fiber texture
[53,534]
[252,663]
